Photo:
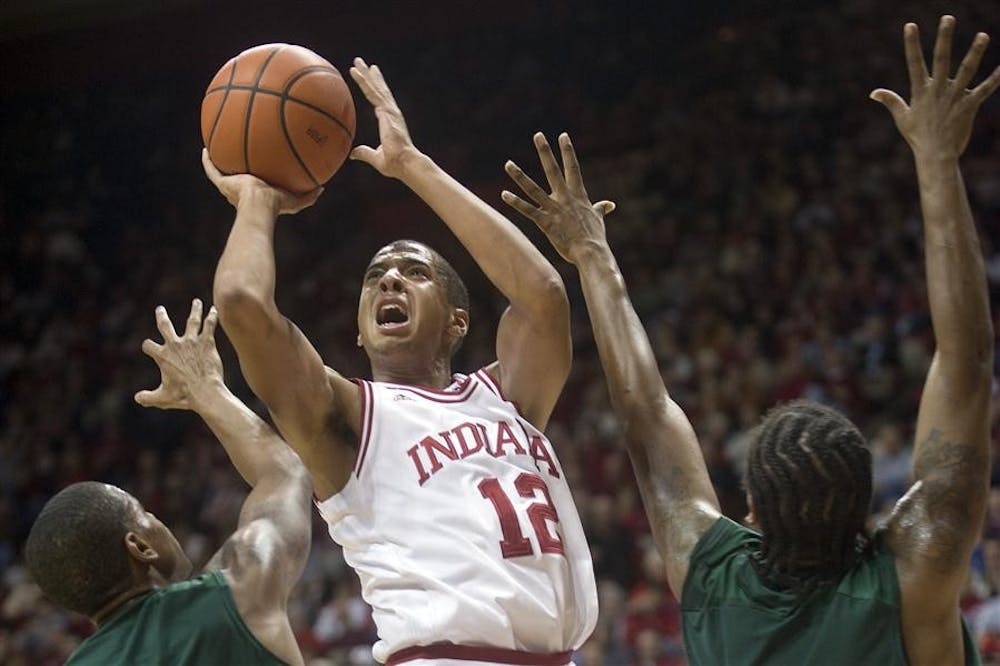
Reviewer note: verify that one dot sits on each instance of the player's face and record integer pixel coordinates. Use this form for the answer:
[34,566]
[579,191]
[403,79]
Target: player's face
[403,305]
[172,564]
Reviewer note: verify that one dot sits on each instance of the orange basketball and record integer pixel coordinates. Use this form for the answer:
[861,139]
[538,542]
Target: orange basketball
[281,113]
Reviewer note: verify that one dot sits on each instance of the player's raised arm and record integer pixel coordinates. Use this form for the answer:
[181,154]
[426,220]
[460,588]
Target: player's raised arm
[264,558]
[673,479]
[534,349]
[310,405]
[935,526]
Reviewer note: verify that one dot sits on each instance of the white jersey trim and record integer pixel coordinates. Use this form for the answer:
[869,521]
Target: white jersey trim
[365,389]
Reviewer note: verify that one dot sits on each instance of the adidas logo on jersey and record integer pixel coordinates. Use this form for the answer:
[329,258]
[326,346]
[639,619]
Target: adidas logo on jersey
[401,396]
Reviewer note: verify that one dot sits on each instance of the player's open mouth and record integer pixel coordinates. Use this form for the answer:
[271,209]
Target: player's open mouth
[391,315]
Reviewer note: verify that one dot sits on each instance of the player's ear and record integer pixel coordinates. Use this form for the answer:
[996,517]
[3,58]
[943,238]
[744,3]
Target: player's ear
[139,549]
[360,344]
[459,324]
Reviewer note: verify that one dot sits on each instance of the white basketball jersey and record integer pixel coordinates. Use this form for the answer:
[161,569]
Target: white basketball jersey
[460,524]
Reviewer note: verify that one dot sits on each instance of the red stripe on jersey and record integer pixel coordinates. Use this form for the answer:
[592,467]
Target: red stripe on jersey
[480,375]
[367,408]
[492,383]
[475,653]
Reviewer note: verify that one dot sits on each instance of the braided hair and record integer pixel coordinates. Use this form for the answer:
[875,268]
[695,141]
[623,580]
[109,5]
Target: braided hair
[809,471]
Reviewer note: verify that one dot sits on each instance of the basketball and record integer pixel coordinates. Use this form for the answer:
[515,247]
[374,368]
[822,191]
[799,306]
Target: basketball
[281,113]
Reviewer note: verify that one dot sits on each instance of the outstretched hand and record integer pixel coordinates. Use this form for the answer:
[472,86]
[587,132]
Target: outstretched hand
[240,187]
[566,216]
[938,120]
[186,362]
[396,144]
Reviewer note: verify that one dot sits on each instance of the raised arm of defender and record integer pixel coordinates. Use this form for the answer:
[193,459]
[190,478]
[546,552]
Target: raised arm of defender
[534,348]
[673,479]
[936,525]
[264,558]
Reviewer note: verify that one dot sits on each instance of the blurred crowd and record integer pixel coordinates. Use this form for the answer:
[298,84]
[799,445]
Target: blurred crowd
[767,224]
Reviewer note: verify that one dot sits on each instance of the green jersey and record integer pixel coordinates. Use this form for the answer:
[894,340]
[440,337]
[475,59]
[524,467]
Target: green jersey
[730,616]
[191,622]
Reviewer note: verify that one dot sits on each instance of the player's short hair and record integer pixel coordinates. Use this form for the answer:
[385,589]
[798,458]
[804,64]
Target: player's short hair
[76,551]
[454,287]
[809,471]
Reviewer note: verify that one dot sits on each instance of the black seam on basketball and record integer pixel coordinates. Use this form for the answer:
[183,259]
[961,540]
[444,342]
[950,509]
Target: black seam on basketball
[265,91]
[291,144]
[218,114]
[253,92]
[238,86]
[292,81]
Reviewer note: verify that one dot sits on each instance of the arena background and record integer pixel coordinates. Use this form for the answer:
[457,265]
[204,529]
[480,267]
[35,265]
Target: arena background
[767,224]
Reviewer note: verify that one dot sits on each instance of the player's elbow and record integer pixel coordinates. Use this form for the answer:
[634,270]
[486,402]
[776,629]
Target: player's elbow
[549,297]
[969,369]
[286,470]
[239,306]
[644,411]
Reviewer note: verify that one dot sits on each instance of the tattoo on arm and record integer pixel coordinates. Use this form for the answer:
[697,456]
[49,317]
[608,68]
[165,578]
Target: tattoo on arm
[953,474]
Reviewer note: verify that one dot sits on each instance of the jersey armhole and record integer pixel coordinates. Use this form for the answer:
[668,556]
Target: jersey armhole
[229,603]
[716,536]
[336,503]
[365,393]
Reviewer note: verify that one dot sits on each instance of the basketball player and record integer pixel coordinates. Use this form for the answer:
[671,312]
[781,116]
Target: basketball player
[806,585]
[447,498]
[95,550]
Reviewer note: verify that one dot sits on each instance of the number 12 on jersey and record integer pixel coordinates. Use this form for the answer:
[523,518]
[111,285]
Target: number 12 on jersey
[514,543]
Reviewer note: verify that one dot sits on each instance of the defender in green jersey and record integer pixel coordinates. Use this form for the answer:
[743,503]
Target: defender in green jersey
[807,585]
[93,548]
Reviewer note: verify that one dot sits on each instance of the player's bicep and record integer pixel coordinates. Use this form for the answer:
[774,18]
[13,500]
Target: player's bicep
[266,555]
[534,356]
[934,527]
[951,458]
[931,567]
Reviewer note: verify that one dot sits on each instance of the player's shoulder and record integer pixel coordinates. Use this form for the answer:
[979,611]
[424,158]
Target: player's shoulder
[720,539]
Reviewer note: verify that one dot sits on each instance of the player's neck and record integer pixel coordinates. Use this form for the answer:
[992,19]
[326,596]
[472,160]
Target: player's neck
[118,603]
[437,374]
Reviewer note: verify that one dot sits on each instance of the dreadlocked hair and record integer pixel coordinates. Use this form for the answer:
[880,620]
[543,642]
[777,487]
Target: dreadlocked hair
[809,471]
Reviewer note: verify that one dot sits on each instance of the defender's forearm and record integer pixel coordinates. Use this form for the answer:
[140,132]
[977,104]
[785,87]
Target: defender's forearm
[956,277]
[252,445]
[630,366]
